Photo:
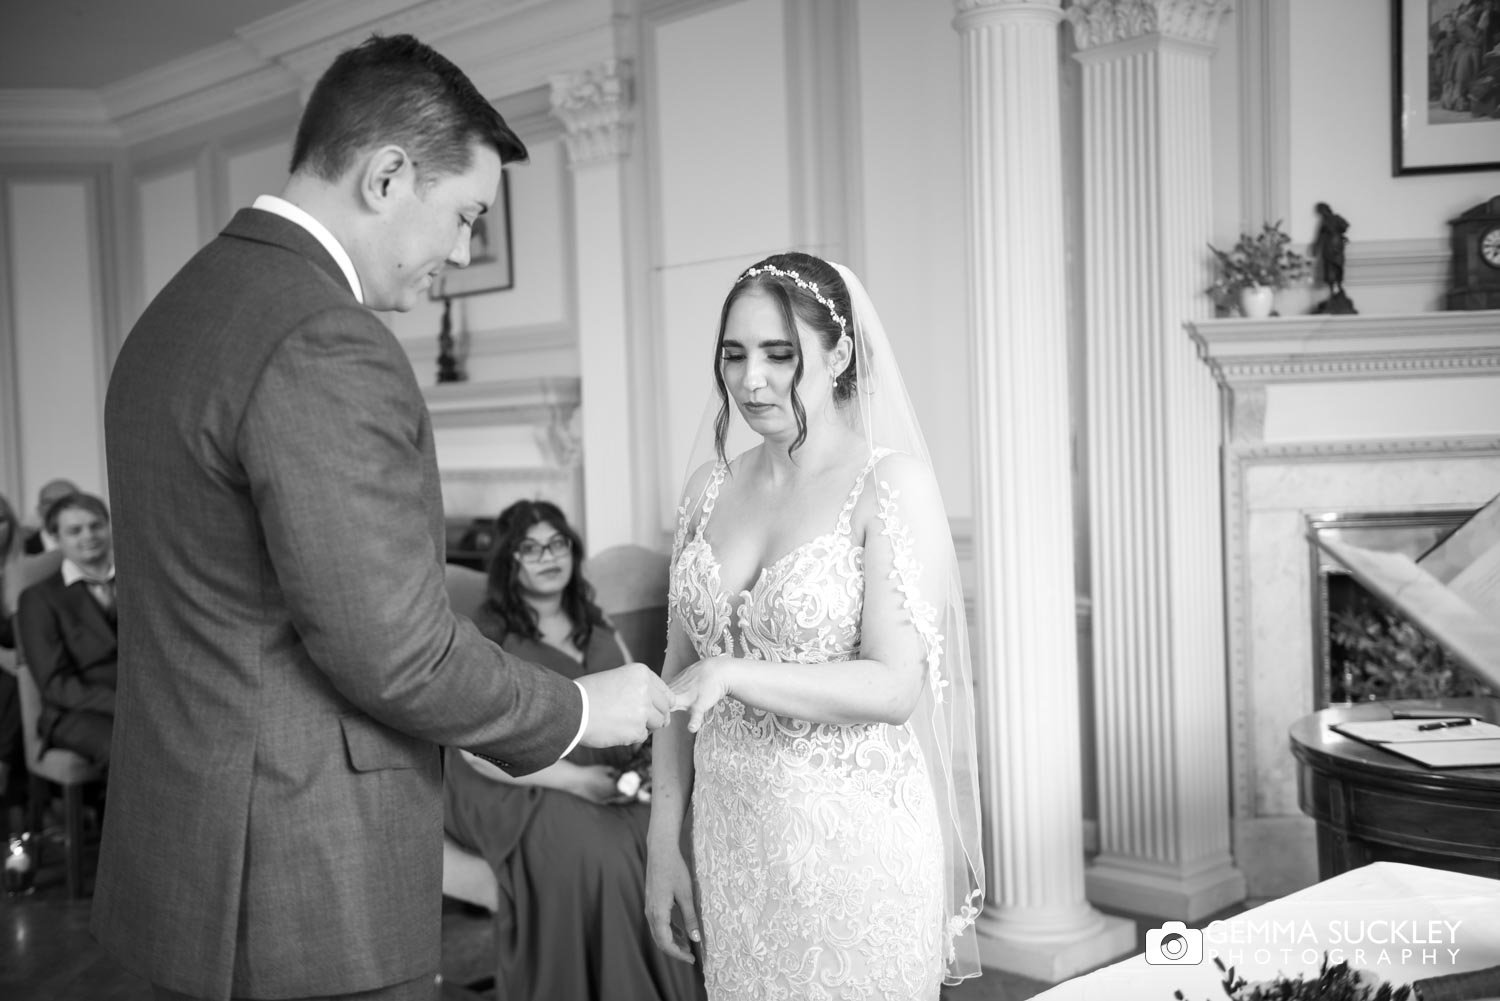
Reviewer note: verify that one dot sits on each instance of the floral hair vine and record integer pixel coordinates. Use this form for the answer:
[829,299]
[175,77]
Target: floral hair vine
[800,282]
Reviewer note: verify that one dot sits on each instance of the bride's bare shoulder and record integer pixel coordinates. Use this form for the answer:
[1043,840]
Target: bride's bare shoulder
[909,477]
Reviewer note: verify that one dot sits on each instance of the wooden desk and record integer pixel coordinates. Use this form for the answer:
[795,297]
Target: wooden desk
[1373,806]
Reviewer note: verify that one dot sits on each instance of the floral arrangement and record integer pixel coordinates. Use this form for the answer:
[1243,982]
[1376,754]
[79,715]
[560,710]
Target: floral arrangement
[1385,656]
[1333,983]
[1265,259]
[634,782]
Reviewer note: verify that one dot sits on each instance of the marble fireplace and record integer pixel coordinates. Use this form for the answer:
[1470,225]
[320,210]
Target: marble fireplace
[1326,415]
[498,442]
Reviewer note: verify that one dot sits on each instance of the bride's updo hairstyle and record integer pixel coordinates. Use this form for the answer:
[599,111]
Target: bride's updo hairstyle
[806,288]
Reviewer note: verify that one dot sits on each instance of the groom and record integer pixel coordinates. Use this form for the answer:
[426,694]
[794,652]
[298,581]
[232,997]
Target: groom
[289,664]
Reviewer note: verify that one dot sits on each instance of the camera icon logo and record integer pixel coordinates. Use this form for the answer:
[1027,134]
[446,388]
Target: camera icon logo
[1174,944]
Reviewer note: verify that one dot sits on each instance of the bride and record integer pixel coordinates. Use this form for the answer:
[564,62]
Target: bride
[817,640]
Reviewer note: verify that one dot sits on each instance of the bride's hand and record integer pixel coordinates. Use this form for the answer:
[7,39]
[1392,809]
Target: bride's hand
[668,884]
[700,687]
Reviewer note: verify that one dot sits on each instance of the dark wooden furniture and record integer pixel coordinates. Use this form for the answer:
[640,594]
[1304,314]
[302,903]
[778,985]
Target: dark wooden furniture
[1374,806]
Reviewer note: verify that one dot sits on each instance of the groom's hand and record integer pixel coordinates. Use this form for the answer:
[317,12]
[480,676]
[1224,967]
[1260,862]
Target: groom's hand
[625,705]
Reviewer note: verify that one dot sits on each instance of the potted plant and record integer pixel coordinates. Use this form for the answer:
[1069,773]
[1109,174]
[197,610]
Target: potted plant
[1249,275]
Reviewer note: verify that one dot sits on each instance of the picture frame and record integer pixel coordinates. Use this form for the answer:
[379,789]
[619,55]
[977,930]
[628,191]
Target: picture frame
[490,266]
[1445,97]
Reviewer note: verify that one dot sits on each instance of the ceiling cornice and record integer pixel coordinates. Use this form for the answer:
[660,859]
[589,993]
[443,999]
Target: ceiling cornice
[507,46]
[55,118]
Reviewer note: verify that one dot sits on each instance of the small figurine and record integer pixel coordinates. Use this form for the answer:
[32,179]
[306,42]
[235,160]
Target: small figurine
[1328,247]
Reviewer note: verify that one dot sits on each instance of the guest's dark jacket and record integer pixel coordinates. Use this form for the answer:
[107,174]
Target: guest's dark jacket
[69,641]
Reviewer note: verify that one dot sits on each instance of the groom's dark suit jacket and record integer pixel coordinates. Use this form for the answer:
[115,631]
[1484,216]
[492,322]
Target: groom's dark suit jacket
[289,663]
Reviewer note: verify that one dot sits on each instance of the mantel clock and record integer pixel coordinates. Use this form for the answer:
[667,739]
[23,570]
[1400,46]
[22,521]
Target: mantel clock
[1475,279]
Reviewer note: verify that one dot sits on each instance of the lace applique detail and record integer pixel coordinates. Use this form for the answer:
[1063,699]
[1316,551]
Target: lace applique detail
[906,571]
[695,597]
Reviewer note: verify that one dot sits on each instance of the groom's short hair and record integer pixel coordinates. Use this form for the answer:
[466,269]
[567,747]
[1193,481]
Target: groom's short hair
[396,90]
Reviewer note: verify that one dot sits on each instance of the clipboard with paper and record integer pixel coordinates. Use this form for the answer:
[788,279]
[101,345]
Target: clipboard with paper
[1436,742]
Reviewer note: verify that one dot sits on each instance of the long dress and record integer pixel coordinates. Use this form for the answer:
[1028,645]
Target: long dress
[571,873]
[817,848]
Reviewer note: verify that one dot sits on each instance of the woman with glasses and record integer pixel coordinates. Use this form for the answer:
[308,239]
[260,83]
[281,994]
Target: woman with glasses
[567,848]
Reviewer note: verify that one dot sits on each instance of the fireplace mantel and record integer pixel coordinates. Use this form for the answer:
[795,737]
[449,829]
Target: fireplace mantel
[504,401]
[1280,349]
[1308,378]
[501,440]
[1319,414]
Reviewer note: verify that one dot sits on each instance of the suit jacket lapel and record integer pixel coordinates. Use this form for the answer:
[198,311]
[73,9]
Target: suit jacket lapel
[89,612]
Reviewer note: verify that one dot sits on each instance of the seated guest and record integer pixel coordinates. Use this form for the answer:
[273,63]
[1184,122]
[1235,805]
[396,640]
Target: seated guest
[11,545]
[568,850]
[37,539]
[66,625]
[12,751]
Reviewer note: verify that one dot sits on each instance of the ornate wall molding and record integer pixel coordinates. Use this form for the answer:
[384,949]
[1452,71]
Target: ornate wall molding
[1470,446]
[1103,22]
[1366,365]
[594,106]
[1398,262]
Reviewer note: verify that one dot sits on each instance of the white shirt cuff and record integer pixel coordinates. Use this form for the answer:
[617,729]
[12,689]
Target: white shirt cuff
[583,723]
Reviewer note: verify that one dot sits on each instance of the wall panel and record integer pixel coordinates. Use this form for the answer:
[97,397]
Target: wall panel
[169,226]
[55,322]
[722,132]
[253,171]
[720,149]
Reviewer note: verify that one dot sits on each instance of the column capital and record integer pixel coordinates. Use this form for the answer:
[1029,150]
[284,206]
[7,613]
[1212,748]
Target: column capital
[594,106]
[1102,22]
[973,13]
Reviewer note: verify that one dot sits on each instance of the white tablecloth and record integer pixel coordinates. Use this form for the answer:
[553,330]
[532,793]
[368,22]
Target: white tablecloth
[1399,922]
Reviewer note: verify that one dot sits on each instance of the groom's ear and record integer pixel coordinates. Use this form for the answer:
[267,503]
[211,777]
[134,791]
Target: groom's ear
[385,173]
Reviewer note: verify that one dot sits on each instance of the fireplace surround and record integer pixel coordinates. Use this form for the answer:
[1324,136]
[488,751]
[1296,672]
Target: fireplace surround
[1377,414]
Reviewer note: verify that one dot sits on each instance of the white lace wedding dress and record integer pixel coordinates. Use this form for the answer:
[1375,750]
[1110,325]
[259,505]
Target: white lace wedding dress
[817,847]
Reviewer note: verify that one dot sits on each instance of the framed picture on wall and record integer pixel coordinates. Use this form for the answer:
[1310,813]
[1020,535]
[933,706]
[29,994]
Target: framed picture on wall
[489,267]
[1445,101]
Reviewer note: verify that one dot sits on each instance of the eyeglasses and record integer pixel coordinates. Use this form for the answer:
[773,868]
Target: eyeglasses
[530,551]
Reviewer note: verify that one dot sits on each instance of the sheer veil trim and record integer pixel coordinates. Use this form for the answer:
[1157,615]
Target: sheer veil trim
[943,722]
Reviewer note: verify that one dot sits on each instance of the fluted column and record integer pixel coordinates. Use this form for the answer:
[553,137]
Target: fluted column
[593,106]
[1161,726]
[1036,920]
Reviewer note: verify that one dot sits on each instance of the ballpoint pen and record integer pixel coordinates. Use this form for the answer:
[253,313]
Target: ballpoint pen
[1444,724]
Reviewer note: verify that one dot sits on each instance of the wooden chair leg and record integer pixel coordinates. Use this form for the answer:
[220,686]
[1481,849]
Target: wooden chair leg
[39,791]
[73,813]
